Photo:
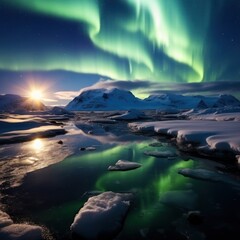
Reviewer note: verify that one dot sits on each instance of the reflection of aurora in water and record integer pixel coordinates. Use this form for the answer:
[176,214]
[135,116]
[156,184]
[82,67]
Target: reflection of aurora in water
[53,195]
[131,39]
[161,177]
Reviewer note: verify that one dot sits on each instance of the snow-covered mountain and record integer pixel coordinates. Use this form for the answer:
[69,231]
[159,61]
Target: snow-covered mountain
[14,103]
[104,99]
[188,102]
[118,99]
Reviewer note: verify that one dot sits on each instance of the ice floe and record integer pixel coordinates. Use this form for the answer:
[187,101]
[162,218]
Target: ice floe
[204,174]
[123,165]
[11,231]
[106,212]
[161,154]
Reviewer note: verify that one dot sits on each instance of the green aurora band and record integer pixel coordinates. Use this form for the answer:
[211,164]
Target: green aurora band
[158,40]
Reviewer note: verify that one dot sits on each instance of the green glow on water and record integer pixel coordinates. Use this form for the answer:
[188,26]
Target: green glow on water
[172,180]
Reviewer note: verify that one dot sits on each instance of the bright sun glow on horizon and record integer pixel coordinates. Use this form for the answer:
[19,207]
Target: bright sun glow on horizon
[36,94]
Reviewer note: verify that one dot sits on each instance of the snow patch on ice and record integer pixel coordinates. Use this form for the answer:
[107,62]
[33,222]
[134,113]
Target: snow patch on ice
[11,231]
[106,212]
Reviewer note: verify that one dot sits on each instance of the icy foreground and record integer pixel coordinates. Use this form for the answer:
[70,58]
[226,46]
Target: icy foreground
[11,231]
[213,138]
[104,213]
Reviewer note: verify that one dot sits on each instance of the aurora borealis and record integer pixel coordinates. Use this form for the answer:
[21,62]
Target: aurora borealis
[176,41]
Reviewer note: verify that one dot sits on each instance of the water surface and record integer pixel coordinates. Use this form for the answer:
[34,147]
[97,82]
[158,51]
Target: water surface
[51,196]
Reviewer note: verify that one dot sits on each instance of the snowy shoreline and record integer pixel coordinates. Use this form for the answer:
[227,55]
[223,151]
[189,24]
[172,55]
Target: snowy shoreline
[218,139]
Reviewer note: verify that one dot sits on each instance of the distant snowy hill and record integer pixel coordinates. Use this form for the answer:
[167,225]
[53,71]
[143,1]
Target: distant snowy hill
[104,99]
[118,99]
[15,103]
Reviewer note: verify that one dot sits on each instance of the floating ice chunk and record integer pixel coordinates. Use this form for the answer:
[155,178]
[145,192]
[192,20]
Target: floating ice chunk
[123,165]
[90,148]
[21,232]
[162,154]
[5,219]
[106,212]
[11,231]
[204,174]
[180,199]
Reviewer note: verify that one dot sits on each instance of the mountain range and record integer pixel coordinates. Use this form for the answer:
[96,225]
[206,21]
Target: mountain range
[102,99]
[118,99]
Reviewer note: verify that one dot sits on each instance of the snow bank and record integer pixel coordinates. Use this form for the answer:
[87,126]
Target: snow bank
[123,165]
[207,137]
[101,216]
[11,231]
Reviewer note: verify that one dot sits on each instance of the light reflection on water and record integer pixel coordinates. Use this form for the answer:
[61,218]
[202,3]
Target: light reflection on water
[37,145]
[16,160]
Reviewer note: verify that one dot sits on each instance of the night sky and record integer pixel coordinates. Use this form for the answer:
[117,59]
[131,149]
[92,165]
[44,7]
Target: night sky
[146,46]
